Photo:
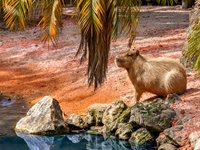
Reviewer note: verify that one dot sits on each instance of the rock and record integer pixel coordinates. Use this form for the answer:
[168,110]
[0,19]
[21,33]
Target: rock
[154,115]
[167,146]
[172,98]
[197,145]
[140,137]
[163,139]
[124,131]
[125,116]
[183,120]
[193,137]
[173,134]
[89,120]
[75,122]
[45,117]
[95,114]
[112,115]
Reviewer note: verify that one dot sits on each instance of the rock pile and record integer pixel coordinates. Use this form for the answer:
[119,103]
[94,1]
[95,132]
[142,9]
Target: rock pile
[140,124]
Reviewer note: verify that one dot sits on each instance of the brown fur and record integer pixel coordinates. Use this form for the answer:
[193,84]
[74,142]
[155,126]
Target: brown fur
[160,76]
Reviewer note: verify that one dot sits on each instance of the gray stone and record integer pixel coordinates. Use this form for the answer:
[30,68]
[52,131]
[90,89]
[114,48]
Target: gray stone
[45,117]
[173,134]
[154,115]
[112,115]
[75,122]
[172,98]
[89,120]
[140,137]
[125,116]
[124,131]
[163,139]
[96,113]
[183,120]
[167,146]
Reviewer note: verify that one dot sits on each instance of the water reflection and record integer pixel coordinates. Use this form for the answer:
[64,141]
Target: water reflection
[76,142]
[11,110]
[6,102]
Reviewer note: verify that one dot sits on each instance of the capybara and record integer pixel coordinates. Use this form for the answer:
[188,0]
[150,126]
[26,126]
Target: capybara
[160,76]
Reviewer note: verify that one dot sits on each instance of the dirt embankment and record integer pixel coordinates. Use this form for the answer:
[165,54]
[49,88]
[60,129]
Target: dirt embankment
[32,70]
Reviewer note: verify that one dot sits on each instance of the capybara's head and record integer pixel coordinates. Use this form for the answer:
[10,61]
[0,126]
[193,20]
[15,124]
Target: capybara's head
[126,59]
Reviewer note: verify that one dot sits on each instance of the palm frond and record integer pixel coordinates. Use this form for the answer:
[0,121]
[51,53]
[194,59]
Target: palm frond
[193,44]
[51,20]
[92,23]
[16,12]
[99,20]
[129,19]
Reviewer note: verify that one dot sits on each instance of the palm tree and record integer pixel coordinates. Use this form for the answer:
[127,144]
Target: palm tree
[99,21]
[191,51]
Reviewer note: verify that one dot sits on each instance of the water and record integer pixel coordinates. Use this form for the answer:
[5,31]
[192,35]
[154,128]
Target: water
[79,141]
[11,110]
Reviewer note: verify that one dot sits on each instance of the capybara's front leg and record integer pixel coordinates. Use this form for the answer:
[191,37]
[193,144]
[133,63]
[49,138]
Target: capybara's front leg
[138,94]
[136,98]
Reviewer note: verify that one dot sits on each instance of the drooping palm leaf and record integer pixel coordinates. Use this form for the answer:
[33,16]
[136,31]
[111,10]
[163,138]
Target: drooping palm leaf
[99,20]
[52,18]
[129,18]
[16,12]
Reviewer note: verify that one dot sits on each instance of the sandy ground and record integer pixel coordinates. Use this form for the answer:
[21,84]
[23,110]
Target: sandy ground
[32,70]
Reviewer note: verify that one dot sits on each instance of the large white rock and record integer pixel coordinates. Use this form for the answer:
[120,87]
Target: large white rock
[197,145]
[45,117]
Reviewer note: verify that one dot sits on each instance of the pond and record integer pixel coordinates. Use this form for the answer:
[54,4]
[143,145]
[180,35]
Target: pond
[11,110]
[79,141]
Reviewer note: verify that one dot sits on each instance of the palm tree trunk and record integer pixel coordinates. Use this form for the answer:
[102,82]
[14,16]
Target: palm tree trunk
[189,61]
